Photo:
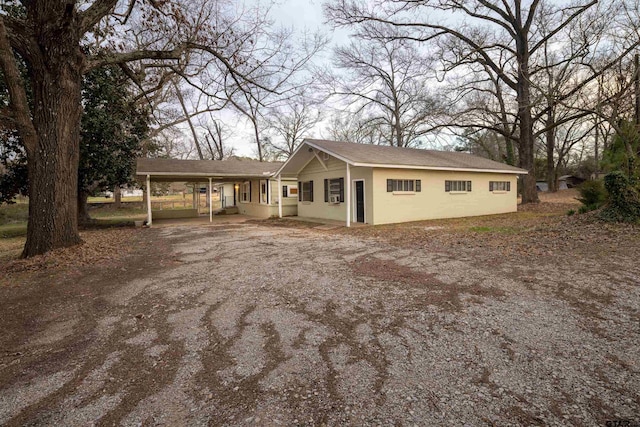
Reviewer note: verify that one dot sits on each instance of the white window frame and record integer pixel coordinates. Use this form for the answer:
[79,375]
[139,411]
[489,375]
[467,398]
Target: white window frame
[245,186]
[264,195]
[289,188]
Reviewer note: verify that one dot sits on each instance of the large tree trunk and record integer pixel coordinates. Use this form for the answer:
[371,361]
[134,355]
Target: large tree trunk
[53,162]
[527,161]
[83,210]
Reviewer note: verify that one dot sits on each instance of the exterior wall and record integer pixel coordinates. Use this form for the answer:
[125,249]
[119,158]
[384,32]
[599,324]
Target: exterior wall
[433,202]
[266,210]
[314,171]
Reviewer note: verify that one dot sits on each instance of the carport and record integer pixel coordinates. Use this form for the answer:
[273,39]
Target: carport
[212,172]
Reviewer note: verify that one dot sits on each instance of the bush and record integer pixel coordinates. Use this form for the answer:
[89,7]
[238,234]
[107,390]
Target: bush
[624,199]
[592,194]
[571,212]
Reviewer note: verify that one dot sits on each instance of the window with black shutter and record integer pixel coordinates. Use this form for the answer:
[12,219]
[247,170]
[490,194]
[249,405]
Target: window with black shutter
[326,190]
[418,185]
[284,191]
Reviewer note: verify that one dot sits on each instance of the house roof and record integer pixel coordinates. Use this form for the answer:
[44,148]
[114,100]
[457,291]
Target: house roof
[394,157]
[185,170]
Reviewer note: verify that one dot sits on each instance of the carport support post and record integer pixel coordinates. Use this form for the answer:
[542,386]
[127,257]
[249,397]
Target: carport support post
[348,183]
[210,202]
[149,200]
[280,196]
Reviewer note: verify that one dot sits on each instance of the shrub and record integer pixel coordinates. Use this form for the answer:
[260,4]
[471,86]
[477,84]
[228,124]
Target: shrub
[592,194]
[571,212]
[624,199]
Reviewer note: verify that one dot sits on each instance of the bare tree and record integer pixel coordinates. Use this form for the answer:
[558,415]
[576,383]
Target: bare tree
[281,66]
[290,123]
[387,78]
[503,36]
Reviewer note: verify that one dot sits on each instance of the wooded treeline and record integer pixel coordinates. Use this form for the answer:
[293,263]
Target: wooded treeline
[546,86]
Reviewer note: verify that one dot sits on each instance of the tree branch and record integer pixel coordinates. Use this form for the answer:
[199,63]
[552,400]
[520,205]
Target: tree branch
[17,93]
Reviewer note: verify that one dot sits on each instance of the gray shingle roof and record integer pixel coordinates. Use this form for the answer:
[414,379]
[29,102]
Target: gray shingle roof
[385,155]
[206,168]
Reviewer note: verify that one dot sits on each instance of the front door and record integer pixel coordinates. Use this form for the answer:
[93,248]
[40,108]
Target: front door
[359,201]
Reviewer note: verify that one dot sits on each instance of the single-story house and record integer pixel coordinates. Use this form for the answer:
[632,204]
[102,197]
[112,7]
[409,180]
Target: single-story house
[377,184]
[248,185]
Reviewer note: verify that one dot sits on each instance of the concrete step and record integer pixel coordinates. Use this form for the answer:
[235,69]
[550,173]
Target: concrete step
[231,210]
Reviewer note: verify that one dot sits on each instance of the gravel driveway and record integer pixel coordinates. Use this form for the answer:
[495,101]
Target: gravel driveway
[256,325]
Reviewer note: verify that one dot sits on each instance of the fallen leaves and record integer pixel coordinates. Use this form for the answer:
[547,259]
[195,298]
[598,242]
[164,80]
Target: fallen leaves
[98,247]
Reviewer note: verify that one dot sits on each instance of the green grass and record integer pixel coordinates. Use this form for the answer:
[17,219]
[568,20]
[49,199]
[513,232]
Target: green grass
[13,218]
[14,213]
[8,231]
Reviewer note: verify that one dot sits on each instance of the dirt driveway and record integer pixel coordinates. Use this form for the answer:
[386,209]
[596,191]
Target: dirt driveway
[258,325]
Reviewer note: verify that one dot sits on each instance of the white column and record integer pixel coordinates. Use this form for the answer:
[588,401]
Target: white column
[279,196]
[210,202]
[348,184]
[149,219]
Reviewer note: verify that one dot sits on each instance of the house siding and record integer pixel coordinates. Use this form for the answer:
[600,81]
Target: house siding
[314,171]
[433,202]
[264,210]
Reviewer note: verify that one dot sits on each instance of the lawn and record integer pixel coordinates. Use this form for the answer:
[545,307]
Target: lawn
[13,224]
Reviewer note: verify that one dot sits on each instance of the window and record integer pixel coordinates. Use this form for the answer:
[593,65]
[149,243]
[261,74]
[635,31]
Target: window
[306,191]
[457,186]
[289,191]
[499,186]
[264,191]
[334,187]
[405,185]
[246,192]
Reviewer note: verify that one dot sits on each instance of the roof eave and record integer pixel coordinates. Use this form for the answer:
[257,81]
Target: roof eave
[440,168]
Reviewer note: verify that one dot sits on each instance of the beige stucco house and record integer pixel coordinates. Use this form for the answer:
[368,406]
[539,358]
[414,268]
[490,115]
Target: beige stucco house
[376,184]
[248,185]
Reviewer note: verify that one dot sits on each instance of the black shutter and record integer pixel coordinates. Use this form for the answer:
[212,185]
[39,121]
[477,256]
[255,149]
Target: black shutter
[284,191]
[447,186]
[326,190]
[490,185]
[508,185]
[299,191]
[267,188]
[468,185]
[389,186]
[341,190]
[311,191]
[249,191]
[418,186]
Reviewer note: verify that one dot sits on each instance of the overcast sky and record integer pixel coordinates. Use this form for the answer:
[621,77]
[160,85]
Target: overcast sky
[302,15]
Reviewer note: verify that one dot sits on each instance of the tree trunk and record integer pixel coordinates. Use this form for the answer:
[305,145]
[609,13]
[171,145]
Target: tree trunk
[83,211]
[526,142]
[117,197]
[53,164]
[550,135]
[257,133]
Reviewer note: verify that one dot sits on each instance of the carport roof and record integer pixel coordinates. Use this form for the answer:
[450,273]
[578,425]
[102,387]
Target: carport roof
[184,170]
[384,156]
